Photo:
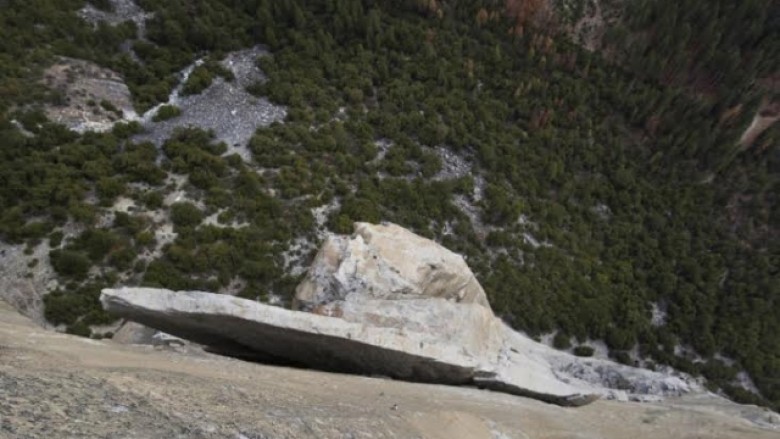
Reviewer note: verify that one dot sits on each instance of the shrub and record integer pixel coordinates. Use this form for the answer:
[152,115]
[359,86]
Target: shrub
[79,328]
[82,212]
[153,199]
[199,80]
[108,106]
[97,243]
[108,188]
[166,112]
[70,263]
[123,259]
[103,5]
[622,357]
[77,305]
[256,89]
[583,351]
[124,130]
[145,239]
[55,238]
[185,214]
[561,341]
[140,266]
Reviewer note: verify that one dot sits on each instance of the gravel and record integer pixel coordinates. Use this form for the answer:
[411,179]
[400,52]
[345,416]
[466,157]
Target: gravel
[224,107]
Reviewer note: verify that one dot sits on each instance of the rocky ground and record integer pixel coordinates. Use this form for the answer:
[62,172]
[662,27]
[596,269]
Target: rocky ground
[92,98]
[95,99]
[224,107]
[55,385]
[122,10]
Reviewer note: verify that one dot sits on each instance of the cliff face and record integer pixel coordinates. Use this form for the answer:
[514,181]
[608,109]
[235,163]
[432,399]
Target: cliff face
[98,389]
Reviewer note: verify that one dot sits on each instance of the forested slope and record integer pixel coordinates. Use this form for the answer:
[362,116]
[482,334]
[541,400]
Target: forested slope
[603,187]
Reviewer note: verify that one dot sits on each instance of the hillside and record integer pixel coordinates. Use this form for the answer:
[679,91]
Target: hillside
[599,191]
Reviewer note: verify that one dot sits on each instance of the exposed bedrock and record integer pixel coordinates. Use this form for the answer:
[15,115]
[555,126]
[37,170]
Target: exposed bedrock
[387,302]
[386,262]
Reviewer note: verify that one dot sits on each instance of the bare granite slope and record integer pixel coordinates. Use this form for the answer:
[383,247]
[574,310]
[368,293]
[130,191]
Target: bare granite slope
[56,385]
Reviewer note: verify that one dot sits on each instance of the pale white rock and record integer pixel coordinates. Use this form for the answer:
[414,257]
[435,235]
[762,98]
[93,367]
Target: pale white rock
[385,301]
[386,262]
[246,328]
[163,339]
[537,366]
[452,343]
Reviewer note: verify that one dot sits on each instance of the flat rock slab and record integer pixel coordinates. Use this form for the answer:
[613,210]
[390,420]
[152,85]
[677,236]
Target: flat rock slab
[61,386]
[245,328]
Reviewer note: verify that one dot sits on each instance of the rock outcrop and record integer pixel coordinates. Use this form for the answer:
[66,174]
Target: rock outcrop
[93,98]
[62,386]
[247,328]
[386,262]
[387,302]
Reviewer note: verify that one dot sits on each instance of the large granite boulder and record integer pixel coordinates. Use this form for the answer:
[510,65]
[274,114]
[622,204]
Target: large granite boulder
[387,302]
[386,262]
